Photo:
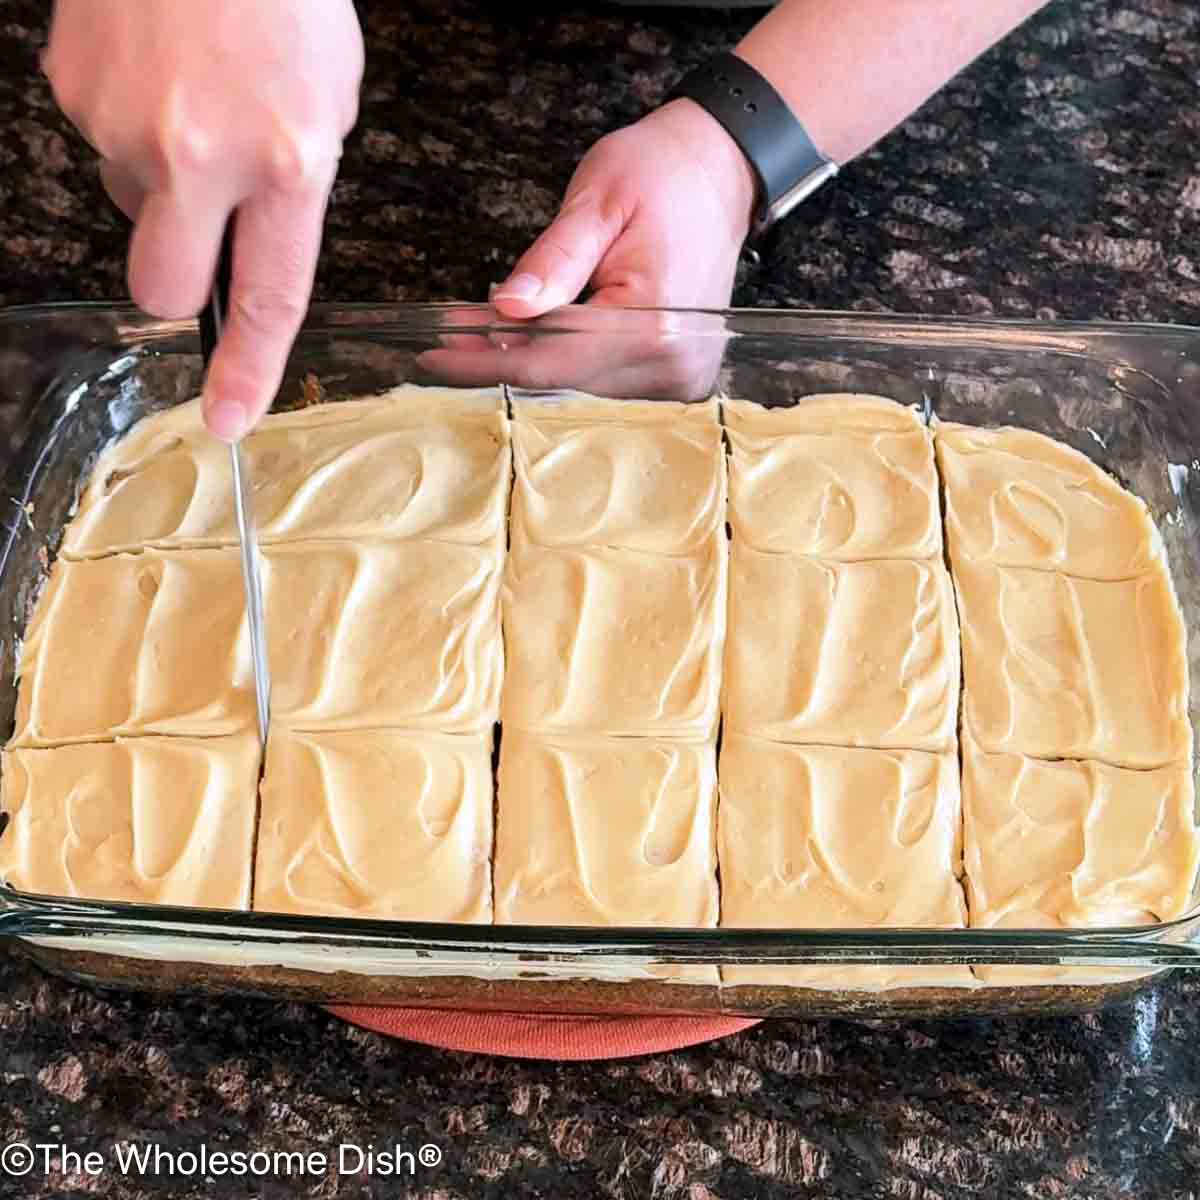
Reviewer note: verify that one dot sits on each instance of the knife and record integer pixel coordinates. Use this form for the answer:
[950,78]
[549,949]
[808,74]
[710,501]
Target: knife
[212,321]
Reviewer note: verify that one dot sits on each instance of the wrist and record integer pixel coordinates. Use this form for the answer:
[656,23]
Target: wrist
[705,140]
[833,124]
[850,72]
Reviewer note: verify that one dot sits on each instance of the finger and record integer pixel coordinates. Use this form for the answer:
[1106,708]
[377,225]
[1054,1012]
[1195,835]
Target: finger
[668,359]
[495,340]
[477,366]
[173,254]
[557,267]
[508,339]
[274,259]
[464,341]
[628,293]
[572,367]
[637,290]
[123,188]
[564,361]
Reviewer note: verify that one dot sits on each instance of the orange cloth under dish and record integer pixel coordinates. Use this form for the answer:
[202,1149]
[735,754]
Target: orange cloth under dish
[519,1035]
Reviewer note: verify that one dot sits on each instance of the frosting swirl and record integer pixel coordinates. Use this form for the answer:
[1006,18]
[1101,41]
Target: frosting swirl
[606,831]
[157,820]
[862,654]
[1058,667]
[413,463]
[376,823]
[818,837]
[1017,499]
[613,641]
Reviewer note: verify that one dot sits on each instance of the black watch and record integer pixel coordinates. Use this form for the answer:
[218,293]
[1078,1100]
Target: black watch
[788,165]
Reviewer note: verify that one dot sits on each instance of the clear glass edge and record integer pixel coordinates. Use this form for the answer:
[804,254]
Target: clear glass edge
[1169,944]
[138,327]
[1156,946]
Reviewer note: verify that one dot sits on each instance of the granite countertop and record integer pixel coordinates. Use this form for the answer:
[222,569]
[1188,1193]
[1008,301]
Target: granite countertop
[1056,177]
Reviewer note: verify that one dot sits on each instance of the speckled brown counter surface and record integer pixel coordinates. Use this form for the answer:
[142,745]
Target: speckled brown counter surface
[1058,177]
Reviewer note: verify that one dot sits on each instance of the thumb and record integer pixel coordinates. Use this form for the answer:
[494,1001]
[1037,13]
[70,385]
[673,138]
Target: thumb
[557,267]
[123,188]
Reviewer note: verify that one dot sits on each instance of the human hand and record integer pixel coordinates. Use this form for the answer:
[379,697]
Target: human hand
[198,110]
[655,214]
[639,354]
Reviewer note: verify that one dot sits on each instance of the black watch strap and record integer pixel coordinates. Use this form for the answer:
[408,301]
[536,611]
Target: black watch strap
[788,165]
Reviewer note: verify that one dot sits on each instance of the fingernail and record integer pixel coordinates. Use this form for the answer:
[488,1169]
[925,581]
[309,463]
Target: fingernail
[519,287]
[226,419]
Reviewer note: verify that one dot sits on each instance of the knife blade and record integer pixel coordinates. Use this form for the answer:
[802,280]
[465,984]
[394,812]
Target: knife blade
[212,321]
[252,582]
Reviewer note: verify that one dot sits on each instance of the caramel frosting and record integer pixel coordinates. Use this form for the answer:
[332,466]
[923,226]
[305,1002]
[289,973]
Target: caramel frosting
[157,820]
[572,407]
[402,634]
[358,634]
[833,412]
[820,837]
[1076,844]
[1059,845]
[1057,667]
[592,480]
[135,644]
[376,823]
[414,463]
[862,495]
[862,654]
[1019,499]
[614,641]
[385,577]
[600,831]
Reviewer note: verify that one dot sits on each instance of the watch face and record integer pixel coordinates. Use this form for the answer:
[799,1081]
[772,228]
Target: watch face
[798,193]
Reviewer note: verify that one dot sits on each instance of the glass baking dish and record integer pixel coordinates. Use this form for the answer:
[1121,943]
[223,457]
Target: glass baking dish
[81,375]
